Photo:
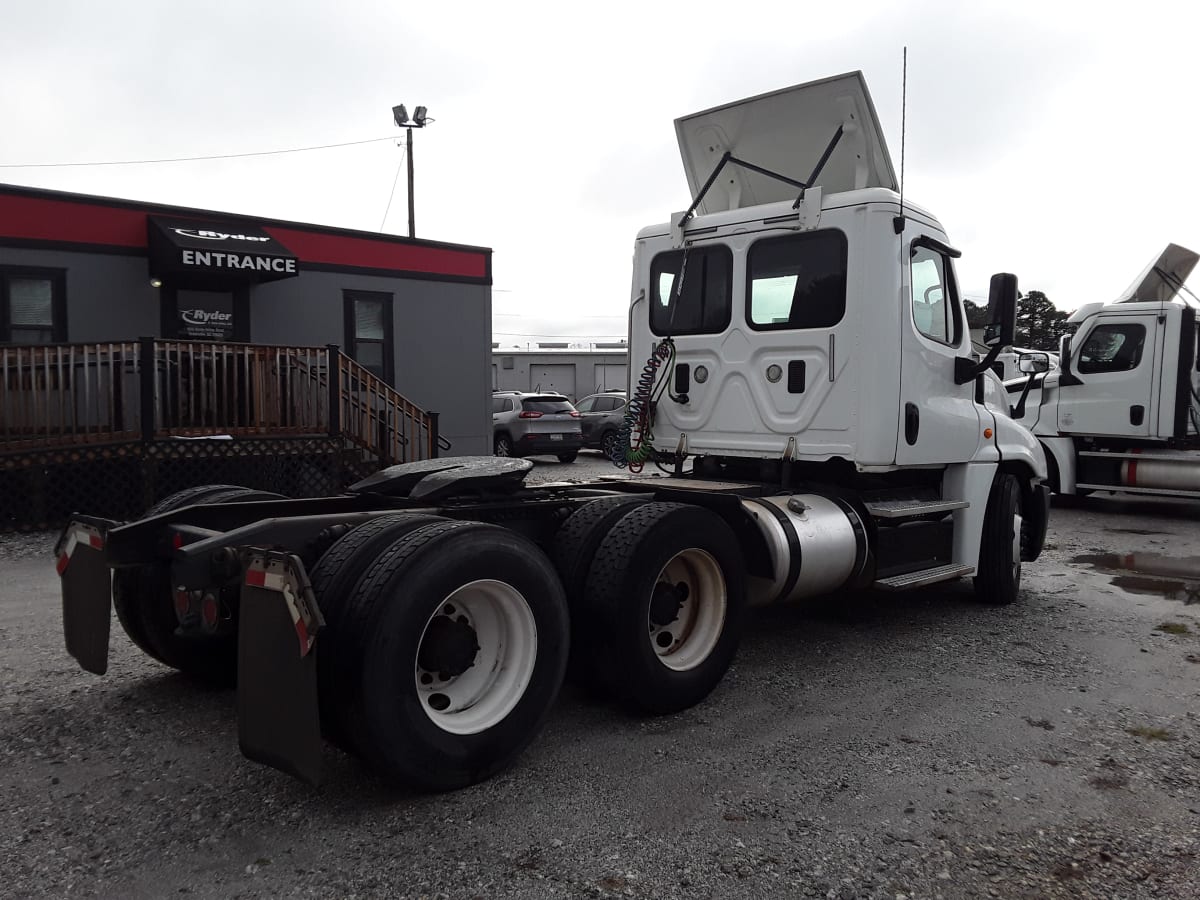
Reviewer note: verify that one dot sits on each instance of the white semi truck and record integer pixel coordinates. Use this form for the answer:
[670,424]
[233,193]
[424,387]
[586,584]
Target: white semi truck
[1120,409]
[809,387]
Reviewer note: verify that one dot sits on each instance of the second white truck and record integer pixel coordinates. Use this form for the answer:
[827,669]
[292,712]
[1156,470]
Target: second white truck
[1121,410]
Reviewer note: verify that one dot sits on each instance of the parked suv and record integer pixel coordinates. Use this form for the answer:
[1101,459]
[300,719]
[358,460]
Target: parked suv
[602,415]
[527,424]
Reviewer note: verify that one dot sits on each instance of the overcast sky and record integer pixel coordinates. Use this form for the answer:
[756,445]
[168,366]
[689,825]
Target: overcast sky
[1054,140]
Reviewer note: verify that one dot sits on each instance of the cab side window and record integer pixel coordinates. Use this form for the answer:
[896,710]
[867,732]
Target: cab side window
[934,296]
[1112,348]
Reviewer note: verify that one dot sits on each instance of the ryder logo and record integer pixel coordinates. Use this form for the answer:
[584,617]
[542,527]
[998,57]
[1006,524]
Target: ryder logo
[204,317]
[207,235]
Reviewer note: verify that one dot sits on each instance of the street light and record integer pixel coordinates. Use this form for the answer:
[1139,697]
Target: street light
[419,120]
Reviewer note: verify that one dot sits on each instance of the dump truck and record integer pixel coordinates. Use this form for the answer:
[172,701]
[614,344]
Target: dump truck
[809,394]
[1119,409]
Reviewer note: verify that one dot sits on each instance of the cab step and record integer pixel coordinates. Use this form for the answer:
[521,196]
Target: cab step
[911,580]
[902,509]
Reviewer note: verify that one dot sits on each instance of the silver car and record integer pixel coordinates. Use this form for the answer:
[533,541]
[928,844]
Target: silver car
[603,415]
[527,424]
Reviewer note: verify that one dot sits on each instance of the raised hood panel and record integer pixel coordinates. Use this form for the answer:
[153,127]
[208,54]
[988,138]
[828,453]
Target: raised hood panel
[1161,280]
[786,132]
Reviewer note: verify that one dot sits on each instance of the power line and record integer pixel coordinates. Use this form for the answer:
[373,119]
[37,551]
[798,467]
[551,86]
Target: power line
[393,193]
[178,159]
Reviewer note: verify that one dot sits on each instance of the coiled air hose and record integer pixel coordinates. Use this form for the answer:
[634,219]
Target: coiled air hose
[636,436]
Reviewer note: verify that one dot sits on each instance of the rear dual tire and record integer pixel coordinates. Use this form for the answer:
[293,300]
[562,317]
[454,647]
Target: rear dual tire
[455,642]
[662,606]
[143,601]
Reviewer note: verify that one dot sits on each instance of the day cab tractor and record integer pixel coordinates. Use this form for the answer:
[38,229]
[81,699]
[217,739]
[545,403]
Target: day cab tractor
[1120,410]
[810,390]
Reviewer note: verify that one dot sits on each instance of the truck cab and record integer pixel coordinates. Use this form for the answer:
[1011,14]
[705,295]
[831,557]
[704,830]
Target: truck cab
[1122,409]
[817,328]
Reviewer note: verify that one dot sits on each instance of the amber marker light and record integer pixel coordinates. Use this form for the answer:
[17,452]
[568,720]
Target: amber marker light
[987,432]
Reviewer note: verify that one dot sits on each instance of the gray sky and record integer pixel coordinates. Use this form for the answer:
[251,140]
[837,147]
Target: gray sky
[1054,140]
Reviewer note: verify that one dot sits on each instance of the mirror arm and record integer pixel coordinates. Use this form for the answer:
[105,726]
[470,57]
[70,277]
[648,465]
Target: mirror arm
[1018,411]
[965,369]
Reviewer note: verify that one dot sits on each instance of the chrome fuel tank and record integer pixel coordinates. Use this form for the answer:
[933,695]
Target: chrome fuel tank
[816,544]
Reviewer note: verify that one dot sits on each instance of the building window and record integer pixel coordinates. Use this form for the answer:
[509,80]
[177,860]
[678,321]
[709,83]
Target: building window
[32,306]
[798,281]
[691,291]
[1112,348]
[369,331]
[934,296]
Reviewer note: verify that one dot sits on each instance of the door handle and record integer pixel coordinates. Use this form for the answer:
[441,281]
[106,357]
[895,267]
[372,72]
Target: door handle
[912,423]
[1137,414]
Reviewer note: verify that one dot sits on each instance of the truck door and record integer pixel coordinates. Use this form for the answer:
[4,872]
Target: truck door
[1116,358]
[939,420]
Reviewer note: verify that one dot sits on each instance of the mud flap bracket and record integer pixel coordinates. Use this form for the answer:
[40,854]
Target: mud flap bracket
[278,720]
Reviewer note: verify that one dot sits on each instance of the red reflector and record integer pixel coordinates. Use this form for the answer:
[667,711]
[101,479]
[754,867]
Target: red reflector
[61,565]
[530,414]
[177,540]
[209,610]
[183,603]
[96,541]
[256,577]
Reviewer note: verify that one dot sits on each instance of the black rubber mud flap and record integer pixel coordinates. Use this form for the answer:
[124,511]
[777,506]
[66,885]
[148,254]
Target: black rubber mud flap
[86,592]
[278,724]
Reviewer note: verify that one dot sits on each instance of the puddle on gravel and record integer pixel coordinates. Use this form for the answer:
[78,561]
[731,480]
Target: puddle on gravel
[1172,577]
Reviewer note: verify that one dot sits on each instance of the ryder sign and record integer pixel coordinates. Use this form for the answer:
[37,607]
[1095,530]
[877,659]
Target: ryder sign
[209,253]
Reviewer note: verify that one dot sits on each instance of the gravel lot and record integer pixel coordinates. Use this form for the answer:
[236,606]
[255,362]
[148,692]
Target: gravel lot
[883,746]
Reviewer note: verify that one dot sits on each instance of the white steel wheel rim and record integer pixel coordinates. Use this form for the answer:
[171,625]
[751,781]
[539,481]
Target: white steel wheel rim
[690,637]
[506,633]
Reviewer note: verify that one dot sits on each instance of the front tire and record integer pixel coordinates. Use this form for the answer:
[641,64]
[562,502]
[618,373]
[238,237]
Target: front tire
[664,605]
[462,636]
[998,580]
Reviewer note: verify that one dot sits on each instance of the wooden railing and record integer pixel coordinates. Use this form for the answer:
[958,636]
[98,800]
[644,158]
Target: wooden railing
[373,414]
[68,394]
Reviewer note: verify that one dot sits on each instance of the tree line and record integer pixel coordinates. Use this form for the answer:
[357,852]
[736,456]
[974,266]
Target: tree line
[1040,323]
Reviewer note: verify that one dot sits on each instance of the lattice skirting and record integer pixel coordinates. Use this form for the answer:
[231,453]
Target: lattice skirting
[40,489]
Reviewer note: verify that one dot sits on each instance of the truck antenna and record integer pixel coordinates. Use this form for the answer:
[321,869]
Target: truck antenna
[898,222]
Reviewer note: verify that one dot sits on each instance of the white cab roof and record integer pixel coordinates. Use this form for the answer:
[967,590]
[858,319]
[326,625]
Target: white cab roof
[786,132]
[1161,280]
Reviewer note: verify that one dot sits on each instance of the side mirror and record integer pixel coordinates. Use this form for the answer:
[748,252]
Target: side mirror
[1001,325]
[1033,363]
[1000,330]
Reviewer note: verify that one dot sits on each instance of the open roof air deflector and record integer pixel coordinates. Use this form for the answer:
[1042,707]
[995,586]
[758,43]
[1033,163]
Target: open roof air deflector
[786,132]
[1161,280]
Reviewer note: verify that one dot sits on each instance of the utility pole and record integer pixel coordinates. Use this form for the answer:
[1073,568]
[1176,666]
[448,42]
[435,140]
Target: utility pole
[419,120]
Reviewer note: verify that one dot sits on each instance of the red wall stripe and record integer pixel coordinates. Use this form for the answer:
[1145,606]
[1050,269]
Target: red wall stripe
[78,222]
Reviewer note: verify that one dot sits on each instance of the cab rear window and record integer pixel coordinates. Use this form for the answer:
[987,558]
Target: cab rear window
[691,291]
[797,281]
